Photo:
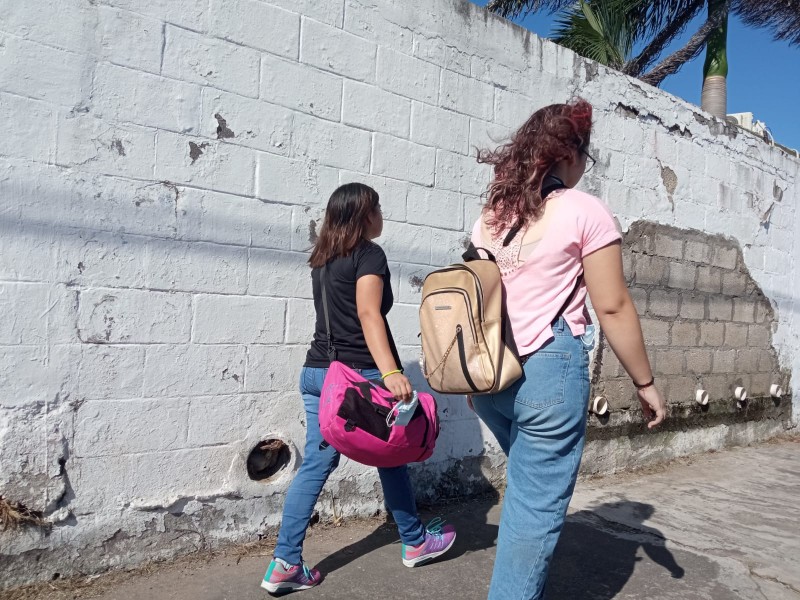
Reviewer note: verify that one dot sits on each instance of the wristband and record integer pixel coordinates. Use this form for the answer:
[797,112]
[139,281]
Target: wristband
[395,372]
[644,385]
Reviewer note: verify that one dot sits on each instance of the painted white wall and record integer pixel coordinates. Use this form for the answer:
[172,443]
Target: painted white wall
[156,302]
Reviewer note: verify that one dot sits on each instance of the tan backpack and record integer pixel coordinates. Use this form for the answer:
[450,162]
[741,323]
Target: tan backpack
[467,347]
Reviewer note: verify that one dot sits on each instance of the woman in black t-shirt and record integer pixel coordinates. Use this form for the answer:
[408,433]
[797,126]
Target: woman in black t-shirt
[357,285]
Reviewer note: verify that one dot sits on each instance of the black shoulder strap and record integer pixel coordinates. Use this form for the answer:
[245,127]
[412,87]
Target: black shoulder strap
[569,299]
[473,254]
[555,184]
[322,276]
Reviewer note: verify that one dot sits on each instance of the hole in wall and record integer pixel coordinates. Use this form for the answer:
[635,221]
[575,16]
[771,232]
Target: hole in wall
[267,459]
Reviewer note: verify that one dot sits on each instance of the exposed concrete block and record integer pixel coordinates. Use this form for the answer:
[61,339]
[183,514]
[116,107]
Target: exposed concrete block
[734,283]
[275,368]
[764,311]
[697,251]
[461,173]
[712,334]
[193,370]
[656,333]
[620,393]
[279,274]
[639,297]
[684,334]
[37,71]
[724,257]
[293,181]
[682,275]
[331,144]
[178,266]
[432,126]
[747,361]
[107,428]
[247,122]
[266,27]
[301,87]
[743,310]
[465,95]
[114,316]
[698,360]
[124,95]
[408,76]
[38,143]
[663,303]
[724,361]
[650,270]
[758,335]
[237,320]
[693,306]
[436,208]
[709,280]
[720,308]
[404,160]
[668,246]
[680,389]
[192,57]
[332,49]
[669,362]
[735,335]
[371,108]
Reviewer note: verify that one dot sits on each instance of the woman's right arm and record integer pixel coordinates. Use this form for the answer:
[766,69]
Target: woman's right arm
[369,293]
[605,282]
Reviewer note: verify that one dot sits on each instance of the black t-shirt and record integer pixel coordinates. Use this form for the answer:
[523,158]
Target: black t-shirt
[340,286]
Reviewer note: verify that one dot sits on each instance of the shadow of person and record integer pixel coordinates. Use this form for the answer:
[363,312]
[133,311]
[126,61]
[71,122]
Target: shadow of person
[455,474]
[595,558]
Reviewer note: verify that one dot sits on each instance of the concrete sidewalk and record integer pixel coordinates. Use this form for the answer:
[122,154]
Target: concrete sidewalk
[718,527]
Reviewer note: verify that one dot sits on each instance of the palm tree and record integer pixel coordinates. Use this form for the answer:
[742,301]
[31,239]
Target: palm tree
[608,30]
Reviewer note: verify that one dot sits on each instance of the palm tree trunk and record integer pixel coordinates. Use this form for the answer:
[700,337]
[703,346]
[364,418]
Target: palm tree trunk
[676,60]
[714,98]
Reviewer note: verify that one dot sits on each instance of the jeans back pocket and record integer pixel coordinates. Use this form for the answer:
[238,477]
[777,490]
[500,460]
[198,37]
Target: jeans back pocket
[545,379]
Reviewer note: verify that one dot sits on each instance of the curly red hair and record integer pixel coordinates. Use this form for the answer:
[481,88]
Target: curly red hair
[551,134]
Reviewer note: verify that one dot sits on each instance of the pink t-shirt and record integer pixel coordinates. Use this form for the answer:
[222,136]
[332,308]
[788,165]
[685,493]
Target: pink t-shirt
[579,225]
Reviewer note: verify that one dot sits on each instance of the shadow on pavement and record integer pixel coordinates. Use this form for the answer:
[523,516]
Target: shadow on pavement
[593,562]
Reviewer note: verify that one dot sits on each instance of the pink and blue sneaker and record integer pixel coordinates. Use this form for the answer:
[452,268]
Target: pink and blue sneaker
[281,577]
[439,539]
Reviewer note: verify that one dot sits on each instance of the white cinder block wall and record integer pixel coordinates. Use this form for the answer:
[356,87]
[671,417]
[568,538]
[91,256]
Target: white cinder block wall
[163,171]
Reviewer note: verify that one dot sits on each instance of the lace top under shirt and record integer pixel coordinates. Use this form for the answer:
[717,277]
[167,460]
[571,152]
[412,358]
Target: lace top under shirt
[539,277]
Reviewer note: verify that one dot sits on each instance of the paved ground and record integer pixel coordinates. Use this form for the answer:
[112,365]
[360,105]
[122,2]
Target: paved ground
[719,527]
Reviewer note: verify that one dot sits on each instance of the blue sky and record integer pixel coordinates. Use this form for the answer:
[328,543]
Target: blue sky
[763,76]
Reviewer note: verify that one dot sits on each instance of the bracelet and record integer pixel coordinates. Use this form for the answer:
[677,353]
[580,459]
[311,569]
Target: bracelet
[644,385]
[395,372]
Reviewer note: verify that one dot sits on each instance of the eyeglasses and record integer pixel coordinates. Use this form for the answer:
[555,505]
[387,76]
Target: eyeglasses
[589,157]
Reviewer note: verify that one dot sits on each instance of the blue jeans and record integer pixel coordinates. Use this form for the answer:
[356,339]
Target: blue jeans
[319,464]
[540,423]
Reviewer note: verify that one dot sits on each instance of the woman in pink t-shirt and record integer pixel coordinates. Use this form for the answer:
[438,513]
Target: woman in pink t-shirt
[552,244]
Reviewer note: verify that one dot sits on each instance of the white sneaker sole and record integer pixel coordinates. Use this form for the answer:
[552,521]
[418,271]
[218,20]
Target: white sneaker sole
[428,557]
[285,586]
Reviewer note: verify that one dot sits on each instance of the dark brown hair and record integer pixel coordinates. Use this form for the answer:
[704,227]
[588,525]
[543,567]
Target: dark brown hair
[345,222]
[551,134]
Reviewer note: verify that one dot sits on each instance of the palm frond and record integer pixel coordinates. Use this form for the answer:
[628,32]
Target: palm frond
[601,31]
[513,8]
[780,17]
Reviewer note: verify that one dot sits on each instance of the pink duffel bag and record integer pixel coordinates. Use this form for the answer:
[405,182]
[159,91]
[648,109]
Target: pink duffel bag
[355,416]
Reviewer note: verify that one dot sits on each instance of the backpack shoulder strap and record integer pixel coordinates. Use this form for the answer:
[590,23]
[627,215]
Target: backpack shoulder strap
[556,184]
[331,349]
